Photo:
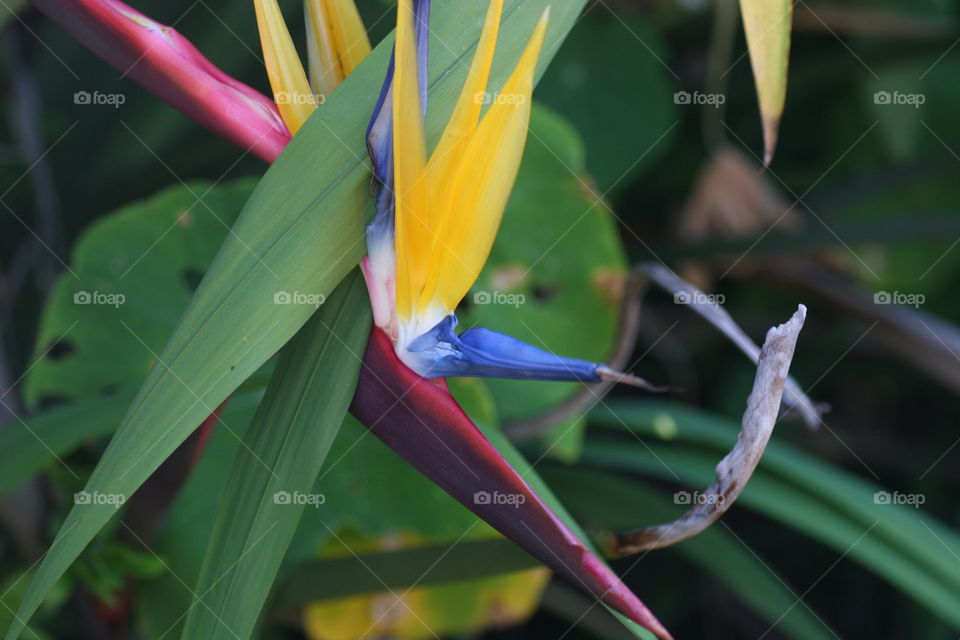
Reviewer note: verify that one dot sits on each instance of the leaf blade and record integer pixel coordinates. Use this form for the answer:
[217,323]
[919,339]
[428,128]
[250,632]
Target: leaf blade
[767,25]
[287,443]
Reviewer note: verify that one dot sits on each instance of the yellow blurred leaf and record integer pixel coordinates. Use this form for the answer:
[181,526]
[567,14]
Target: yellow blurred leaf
[767,25]
[423,612]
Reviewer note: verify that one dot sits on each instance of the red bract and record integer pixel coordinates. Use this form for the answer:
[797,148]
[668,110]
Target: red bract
[420,420]
[164,62]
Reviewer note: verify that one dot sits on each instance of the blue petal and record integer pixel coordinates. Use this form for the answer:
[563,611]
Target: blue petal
[380,133]
[483,353]
[380,129]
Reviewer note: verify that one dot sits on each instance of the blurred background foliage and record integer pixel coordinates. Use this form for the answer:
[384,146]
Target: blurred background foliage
[858,208]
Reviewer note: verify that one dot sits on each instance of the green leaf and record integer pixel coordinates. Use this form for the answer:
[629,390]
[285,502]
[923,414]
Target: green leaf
[767,24]
[285,447]
[300,232]
[34,443]
[913,551]
[147,259]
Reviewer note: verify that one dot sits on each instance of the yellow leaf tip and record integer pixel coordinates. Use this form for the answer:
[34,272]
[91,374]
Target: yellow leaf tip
[771,129]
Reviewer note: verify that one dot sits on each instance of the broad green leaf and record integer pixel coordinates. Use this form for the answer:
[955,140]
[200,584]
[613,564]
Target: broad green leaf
[607,501]
[285,446]
[913,551]
[299,234]
[136,271]
[767,24]
[151,252]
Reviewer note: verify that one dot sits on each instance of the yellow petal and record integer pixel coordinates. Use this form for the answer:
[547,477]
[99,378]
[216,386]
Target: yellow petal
[767,25]
[287,79]
[336,41]
[325,71]
[413,236]
[447,156]
[349,34]
[465,115]
[486,172]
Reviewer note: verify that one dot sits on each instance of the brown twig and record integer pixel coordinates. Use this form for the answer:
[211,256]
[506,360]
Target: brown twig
[794,397]
[737,467]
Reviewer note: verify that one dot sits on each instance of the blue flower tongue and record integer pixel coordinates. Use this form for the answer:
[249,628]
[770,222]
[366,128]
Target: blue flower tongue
[479,352]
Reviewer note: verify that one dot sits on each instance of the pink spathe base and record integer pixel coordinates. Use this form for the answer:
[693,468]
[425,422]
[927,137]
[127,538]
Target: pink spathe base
[165,63]
[420,420]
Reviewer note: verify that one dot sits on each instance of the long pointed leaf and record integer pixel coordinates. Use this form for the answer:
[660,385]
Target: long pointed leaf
[912,550]
[768,24]
[286,445]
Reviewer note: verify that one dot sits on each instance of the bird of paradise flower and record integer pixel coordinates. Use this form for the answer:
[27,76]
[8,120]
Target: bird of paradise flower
[436,220]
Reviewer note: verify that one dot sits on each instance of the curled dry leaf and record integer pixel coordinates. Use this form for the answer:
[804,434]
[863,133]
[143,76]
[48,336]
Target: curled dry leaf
[737,467]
